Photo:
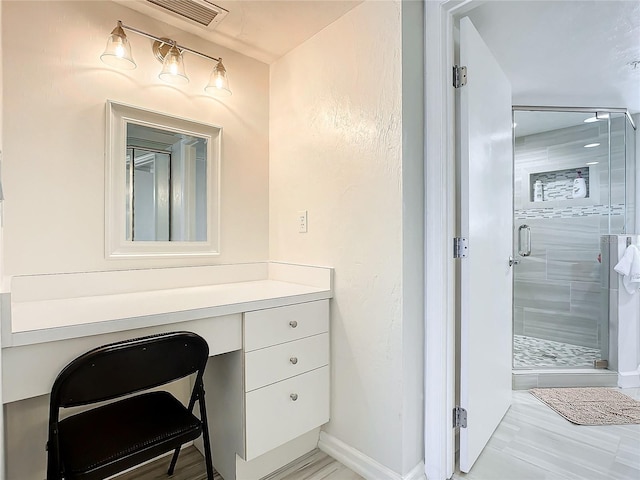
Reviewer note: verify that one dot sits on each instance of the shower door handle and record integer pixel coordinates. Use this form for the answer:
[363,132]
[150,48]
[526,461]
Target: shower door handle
[524,251]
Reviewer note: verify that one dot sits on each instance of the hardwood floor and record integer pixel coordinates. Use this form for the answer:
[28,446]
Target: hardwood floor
[316,465]
[534,443]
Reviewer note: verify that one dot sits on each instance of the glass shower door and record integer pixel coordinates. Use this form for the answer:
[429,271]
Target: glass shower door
[561,210]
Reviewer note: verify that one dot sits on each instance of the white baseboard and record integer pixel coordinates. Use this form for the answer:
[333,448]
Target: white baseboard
[629,379]
[417,473]
[362,464]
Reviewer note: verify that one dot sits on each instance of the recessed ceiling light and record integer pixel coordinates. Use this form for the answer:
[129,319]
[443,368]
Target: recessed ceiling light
[592,163]
[591,119]
[591,145]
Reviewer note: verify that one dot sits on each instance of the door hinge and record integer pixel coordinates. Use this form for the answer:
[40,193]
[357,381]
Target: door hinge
[459,417]
[460,247]
[459,76]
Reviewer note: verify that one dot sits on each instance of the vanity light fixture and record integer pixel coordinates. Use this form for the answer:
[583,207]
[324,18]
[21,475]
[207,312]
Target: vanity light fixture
[118,54]
[118,51]
[592,163]
[591,145]
[173,66]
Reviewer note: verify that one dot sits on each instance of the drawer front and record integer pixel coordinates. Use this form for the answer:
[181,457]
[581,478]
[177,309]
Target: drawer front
[272,326]
[272,364]
[273,417]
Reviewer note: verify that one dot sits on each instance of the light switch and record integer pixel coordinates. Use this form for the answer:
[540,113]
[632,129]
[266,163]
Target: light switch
[302,221]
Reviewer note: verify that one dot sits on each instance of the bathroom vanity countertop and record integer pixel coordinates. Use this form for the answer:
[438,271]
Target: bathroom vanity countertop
[48,320]
[32,320]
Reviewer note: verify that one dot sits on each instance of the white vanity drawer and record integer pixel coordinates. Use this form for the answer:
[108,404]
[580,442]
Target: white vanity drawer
[272,326]
[273,417]
[272,364]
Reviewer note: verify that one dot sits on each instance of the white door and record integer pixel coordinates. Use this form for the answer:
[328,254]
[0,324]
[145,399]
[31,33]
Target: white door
[486,221]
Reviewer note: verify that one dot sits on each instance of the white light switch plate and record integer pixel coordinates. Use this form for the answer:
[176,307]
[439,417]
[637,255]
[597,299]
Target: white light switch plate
[302,221]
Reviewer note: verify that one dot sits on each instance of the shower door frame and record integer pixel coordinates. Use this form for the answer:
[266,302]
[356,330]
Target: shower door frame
[546,108]
[593,110]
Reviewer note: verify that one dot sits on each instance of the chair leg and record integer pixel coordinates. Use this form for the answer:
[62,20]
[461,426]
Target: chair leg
[174,459]
[205,436]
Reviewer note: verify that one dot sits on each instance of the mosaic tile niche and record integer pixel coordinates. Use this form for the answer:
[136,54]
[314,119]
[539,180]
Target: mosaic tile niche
[558,185]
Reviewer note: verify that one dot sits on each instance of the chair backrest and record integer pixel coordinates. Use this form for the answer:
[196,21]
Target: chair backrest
[130,366]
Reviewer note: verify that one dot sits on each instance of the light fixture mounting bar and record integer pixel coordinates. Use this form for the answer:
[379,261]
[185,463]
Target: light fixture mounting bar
[164,40]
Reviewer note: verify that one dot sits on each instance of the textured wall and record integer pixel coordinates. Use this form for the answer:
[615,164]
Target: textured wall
[336,151]
[55,89]
[557,290]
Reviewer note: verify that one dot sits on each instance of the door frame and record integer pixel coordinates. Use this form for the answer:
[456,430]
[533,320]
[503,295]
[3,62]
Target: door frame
[440,228]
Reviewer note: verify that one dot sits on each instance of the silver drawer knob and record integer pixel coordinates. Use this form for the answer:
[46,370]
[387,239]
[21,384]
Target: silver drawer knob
[293,360]
[293,324]
[294,396]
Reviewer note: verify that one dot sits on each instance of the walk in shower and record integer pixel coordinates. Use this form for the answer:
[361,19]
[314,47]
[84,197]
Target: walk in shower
[574,184]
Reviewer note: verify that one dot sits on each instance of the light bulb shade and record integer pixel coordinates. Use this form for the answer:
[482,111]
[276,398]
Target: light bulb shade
[218,82]
[173,67]
[118,51]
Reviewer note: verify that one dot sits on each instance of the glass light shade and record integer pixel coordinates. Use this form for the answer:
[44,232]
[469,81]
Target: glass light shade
[118,51]
[173,67]
[218,82]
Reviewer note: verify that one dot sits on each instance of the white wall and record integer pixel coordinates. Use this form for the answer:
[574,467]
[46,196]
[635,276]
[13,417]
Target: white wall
[341,149]
[55,89]
[344,119]
[625,310]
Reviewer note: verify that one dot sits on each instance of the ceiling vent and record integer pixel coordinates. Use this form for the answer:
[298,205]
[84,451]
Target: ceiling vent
[198,12]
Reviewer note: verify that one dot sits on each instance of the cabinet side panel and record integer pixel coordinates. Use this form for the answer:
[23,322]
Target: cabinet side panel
[225,405]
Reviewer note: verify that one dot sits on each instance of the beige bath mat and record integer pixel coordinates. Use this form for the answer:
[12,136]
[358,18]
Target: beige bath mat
[591,406]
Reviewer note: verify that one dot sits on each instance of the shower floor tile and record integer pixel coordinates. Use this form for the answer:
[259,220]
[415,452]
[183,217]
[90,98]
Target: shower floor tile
[530,352]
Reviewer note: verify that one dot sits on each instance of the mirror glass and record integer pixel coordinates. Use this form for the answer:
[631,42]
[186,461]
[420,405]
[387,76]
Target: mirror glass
[162,184]
[166,185]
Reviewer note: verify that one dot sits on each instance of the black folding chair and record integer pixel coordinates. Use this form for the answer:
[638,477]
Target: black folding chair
[113,437]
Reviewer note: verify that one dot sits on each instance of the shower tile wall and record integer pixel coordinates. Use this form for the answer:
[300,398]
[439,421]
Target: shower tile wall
[557,290]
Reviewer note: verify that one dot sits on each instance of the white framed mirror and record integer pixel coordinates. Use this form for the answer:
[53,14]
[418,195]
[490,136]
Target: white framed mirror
[162,184]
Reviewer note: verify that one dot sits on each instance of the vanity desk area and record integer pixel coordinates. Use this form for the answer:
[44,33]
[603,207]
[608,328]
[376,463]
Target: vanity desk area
[267,326]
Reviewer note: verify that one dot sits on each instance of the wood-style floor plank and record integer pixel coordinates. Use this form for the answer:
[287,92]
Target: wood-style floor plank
[316,465]
[535,443]
[531,443]
[190,466]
